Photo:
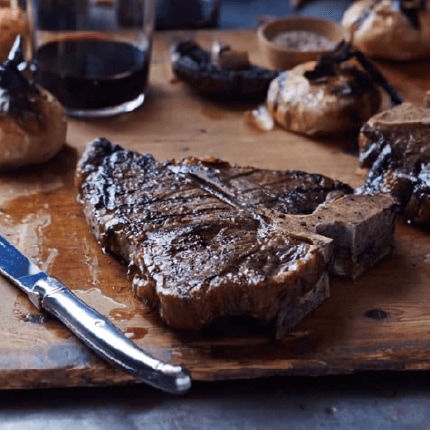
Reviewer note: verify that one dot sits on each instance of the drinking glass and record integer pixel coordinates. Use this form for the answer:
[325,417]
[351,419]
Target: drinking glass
[93,55]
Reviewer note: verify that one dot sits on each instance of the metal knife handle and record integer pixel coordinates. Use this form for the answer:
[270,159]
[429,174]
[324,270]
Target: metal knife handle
[99,334]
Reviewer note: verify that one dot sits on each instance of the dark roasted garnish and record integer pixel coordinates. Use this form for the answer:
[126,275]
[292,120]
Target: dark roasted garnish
[328,62]
[16,90]
[410,9]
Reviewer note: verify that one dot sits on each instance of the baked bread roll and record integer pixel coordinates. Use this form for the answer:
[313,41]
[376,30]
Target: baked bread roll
[382,29]
[30,139]
[32,122]
[338,103]
[13,22]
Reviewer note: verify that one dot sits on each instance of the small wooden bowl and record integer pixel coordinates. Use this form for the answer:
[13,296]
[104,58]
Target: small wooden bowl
[284,57]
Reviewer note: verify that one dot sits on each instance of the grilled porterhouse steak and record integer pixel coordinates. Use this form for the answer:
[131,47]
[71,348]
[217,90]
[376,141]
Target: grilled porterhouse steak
[204,239]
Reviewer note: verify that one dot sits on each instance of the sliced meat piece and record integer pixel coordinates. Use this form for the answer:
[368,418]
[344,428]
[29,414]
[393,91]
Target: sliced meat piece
[204,239]
[395,146]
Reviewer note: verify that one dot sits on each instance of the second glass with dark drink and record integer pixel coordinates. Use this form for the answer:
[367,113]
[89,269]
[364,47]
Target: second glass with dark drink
[93,55]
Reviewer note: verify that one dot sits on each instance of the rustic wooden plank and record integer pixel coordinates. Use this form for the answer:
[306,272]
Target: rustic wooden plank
[379,321]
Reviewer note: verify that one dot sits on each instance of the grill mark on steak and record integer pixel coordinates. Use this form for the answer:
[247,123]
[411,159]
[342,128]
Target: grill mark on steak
[244,252]
[250,187]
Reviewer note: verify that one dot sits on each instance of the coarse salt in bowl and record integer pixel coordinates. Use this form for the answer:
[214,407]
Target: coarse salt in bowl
[286,42]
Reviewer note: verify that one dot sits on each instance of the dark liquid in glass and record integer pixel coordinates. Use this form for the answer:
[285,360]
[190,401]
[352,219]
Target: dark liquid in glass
[92,74]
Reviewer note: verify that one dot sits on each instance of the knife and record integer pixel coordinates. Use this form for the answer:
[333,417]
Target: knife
[96,331]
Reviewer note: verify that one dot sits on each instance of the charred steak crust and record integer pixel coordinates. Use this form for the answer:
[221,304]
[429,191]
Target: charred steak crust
[204,239]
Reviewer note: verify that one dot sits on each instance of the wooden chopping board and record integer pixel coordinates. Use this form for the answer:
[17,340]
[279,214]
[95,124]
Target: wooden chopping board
[380,321]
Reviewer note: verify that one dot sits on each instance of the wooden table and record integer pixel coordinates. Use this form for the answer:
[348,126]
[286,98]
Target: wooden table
[40,213]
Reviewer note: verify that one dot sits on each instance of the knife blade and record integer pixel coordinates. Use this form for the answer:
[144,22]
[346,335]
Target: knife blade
[95,330]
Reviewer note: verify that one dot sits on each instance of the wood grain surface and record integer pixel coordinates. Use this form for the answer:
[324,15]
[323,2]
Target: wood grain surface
[379,321]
